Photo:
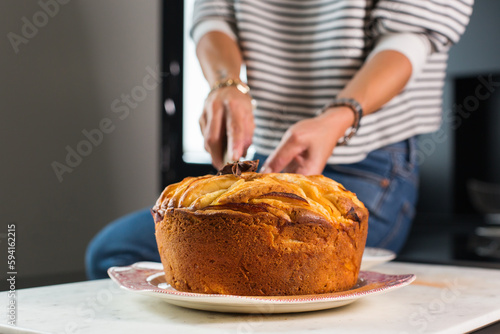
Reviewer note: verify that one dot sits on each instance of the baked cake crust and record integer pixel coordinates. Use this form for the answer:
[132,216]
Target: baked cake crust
[260,234]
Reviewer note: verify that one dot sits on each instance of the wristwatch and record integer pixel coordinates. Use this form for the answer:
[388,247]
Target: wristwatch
[356,109]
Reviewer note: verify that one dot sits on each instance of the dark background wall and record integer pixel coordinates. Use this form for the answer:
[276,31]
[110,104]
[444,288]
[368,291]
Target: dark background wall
[477,53]
[441,232]
[63,80]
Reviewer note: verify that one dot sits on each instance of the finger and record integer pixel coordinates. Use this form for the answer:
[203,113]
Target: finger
[245,151]
[203,121]
[312,162]
[214,134]
[295,164]
[308,168]
[234,132]
[239,129]
[285,153]
[249,135]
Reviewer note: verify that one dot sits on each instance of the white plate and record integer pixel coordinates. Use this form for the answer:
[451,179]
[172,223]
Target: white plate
[147,278]
[376,256]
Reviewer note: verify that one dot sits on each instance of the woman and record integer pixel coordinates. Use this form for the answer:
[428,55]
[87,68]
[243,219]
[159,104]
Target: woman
[341,88]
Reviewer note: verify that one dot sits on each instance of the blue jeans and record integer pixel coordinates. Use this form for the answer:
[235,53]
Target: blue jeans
[386,182]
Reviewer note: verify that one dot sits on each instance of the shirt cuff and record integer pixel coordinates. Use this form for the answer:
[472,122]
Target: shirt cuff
[212,25]
[415,47]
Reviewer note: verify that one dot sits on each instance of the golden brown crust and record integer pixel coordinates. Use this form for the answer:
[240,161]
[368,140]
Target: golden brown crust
[260,234]
[318,193]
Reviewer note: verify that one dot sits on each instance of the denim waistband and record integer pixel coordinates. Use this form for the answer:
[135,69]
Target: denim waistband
[402,146]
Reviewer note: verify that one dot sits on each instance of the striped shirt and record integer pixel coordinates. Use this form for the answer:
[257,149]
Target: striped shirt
[299,54]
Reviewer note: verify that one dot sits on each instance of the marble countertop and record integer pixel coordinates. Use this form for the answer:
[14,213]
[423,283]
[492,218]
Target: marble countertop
[443,299]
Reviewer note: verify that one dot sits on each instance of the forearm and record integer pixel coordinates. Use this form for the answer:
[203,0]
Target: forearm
[219,57]
[380,79]
[227,121]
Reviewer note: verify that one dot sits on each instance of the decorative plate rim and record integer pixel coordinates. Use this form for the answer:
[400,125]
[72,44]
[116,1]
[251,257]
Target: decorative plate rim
[139,277]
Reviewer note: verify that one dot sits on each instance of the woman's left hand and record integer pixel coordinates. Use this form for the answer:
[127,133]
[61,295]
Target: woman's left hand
[307,145]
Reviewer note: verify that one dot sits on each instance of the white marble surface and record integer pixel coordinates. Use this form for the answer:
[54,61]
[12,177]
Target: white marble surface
[443,299]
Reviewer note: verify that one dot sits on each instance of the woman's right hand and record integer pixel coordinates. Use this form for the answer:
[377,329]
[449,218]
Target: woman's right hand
[227,124]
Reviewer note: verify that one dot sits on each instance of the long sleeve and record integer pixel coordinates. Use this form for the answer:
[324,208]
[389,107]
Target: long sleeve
[442,22]
[418,29]
[213,15]
[415,47]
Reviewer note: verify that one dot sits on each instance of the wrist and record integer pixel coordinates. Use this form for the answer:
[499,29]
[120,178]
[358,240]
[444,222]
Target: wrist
[230,82]
[339,119]
[341,108]
[233,84]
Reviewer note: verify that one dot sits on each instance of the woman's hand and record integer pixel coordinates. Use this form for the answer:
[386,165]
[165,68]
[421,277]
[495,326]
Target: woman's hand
[307,145]
[227,124]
